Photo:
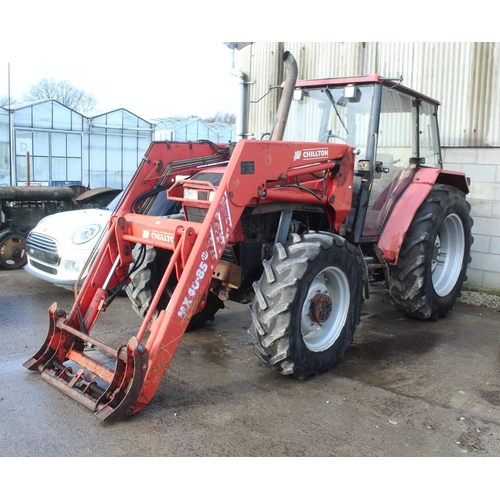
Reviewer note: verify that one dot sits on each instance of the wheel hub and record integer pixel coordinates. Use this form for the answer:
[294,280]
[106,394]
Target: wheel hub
[448,255]
[12,251]
[325,309]
[321,308]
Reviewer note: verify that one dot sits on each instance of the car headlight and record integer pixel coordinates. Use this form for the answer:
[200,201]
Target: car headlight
[86,234]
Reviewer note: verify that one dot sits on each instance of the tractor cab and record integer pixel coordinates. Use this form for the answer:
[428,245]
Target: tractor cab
[392,129]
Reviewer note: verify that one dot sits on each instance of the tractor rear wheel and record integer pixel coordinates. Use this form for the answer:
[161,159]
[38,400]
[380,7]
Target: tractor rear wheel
[145,280]
[307,304]
[433,261]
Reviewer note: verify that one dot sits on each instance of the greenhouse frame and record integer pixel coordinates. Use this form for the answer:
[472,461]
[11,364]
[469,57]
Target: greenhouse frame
[63,146]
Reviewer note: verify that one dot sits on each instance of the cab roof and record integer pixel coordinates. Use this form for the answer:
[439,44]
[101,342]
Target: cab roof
[360,80]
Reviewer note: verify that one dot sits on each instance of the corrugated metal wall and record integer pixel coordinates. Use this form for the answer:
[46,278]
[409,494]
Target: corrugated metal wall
[464,76]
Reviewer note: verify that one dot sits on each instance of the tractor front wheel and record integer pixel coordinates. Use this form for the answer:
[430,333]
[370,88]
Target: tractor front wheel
[433,261]
[307,304]
[144,282]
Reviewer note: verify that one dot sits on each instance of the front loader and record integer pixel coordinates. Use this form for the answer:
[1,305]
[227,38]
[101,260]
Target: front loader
[299,226]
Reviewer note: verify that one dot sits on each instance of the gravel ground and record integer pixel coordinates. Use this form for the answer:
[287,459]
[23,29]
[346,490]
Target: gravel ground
[478,299]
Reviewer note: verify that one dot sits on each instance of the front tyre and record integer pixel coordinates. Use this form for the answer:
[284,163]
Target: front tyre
[307,304]
[433,261]
[144,282]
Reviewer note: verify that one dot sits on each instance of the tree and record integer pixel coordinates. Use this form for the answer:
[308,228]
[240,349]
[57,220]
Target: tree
[222,117]
[63,92]
[4,101]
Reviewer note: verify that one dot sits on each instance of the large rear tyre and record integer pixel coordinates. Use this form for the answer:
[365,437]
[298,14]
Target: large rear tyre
[144,282]
[432,265]
[307,304]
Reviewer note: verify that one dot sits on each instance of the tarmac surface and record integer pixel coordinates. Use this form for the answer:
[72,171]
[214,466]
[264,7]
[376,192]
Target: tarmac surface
[405,388]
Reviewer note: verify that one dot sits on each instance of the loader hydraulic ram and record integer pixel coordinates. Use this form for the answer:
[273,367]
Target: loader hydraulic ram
[299,226]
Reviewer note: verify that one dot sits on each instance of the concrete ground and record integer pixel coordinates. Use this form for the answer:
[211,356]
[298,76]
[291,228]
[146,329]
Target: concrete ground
[404,389]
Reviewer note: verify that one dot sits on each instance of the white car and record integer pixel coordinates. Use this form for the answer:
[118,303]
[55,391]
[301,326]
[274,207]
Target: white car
[60,245]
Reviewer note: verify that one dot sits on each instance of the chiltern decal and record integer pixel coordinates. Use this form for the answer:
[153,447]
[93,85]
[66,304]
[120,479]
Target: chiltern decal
[314,153]
[157,235]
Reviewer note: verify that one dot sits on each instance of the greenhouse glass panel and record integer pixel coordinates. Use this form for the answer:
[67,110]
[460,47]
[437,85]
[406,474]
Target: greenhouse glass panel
[97,141]
[4,125]
[22,117]
[4,167]
[143,145]
[114,159]
[42,115]
[4,149]
[58,144]
[41,143]
[99,121]
[97,178]
[97,159]
[59,169]
[24,142]
[76,121]
[114,142]
[114,119]
[130,142]
[74,145]
[21,168]
[74,169]
[130,121]
[114,178]
[129,161]
[62,117]
[40,169]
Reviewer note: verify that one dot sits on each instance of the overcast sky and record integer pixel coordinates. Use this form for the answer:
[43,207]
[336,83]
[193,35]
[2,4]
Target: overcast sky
[160,59]
[145,60]
[160,83]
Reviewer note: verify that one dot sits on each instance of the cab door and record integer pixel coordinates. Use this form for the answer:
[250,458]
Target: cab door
[407,138]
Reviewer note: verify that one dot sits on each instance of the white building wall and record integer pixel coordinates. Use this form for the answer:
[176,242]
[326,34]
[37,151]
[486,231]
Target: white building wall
[482,165]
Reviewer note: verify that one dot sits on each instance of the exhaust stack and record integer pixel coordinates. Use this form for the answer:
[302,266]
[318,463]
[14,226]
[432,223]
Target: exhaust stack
[278,129]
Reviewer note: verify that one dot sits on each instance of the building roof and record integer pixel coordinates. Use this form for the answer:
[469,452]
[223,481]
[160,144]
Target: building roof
[31,104]
[94,114]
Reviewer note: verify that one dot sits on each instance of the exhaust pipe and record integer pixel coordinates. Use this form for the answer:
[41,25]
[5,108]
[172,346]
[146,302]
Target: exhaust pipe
[292,72]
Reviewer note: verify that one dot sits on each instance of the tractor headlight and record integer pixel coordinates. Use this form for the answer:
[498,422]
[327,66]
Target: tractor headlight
[363,165]
[86,234]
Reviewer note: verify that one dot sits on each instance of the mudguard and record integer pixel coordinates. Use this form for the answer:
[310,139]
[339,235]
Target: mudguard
[404,211]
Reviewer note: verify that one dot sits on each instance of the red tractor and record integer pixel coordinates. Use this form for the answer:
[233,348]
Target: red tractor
[348,192]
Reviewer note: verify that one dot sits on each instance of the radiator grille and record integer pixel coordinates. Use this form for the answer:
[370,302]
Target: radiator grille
[42,248]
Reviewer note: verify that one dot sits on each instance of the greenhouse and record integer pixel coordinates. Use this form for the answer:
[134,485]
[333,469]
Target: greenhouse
[46,143]
[193,129]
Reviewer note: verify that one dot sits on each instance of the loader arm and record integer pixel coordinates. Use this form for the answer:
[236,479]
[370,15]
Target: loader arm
[117,393]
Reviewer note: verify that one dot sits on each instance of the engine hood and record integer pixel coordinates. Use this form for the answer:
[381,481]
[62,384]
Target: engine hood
[64,224]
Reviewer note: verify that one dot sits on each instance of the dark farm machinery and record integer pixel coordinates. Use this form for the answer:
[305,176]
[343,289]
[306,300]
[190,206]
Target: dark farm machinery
[22,207]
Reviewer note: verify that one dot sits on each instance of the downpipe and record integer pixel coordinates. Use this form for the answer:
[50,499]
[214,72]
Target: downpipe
[241,117]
